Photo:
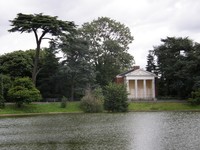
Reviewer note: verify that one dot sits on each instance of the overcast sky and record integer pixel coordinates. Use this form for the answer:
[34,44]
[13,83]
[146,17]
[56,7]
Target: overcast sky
[148,20]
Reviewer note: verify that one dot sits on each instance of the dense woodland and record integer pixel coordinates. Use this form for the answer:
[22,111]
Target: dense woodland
[92,55]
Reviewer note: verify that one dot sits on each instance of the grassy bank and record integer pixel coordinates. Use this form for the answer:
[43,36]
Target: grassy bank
[162,106]
[73,107]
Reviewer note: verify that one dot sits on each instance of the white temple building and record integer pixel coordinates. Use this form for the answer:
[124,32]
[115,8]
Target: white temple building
[140,84]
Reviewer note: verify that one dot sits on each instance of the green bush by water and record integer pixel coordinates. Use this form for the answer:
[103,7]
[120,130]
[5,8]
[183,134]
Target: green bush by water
[63,103]
[23,91]
[92,102]
[195,100]
[116,98]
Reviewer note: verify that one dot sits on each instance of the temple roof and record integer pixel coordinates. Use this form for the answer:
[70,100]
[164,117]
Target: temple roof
[137,72]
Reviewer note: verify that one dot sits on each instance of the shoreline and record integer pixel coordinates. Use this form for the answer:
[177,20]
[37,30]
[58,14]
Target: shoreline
[37,109]
[60,113]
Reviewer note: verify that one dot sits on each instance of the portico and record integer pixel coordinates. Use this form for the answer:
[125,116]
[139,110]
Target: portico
[140,84]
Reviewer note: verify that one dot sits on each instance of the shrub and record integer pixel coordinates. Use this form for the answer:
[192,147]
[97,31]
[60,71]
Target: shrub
[92,102]
[195,100]
[116,98]
[63,103]
[23,91]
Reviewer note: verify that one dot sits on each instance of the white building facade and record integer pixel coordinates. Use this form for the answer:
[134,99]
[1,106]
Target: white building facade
[140,84]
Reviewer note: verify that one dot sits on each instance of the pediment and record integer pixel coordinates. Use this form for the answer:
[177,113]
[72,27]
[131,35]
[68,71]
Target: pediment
[140,72]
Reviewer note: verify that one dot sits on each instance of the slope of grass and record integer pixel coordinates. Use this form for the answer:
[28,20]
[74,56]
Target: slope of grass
[41,108]
[74,107]
[163,106]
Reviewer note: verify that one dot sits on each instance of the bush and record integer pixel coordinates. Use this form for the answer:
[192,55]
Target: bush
[116,98]
[195,100]
[23,91]
[92,102]
[63,103]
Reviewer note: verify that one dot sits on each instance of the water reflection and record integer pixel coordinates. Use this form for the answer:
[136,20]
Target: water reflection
[129,131]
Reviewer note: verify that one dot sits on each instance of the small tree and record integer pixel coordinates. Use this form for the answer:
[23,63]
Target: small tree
[63,103]
[23,91]
[92,102]
[116,98]
[195,100]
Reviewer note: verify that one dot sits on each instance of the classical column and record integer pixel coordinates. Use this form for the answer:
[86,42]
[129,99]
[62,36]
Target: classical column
[136,89]
[127,84]
[145,89]
[153,88]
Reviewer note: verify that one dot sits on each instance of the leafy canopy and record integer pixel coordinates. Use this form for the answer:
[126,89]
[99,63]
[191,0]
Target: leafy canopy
[108,44]
[176,61]
[48,24]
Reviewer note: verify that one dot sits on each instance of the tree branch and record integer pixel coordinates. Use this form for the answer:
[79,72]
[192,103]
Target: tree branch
[35,33]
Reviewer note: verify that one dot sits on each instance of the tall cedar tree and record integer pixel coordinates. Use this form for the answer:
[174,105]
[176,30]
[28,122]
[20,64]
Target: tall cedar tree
[41,25]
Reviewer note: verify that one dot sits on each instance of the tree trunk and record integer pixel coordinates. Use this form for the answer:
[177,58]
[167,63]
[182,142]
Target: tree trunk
[72,92]
[37,54]
[36,62]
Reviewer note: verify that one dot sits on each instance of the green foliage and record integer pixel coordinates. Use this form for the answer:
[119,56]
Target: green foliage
[177,62]
[76,71]
[108,44]
[92,102]
[5,85]
[20,64]
[151,64]
[17,63]
[23,91]
[31,23]
[63,103]
[195,99]
[2,102]
[116,98]
[46,79]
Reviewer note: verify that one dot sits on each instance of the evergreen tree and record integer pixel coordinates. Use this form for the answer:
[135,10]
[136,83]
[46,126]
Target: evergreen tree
[44,24]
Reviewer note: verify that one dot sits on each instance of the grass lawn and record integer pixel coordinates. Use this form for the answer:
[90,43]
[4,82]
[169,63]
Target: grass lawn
[162,106]
[73,107]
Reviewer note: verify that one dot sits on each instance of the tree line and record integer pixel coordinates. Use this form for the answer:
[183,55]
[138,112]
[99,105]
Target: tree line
[93,55]
[176,62]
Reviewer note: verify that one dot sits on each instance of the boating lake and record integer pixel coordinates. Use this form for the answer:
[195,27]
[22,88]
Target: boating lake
[103,131]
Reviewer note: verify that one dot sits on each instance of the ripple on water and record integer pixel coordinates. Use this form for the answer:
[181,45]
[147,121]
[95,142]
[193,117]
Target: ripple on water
[128,131]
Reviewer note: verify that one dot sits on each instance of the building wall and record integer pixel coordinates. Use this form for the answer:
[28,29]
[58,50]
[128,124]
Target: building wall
[149,88]
[132,88]
[141,90]
[119,80]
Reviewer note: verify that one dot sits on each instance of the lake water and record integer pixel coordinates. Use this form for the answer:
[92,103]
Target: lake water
[120,131]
